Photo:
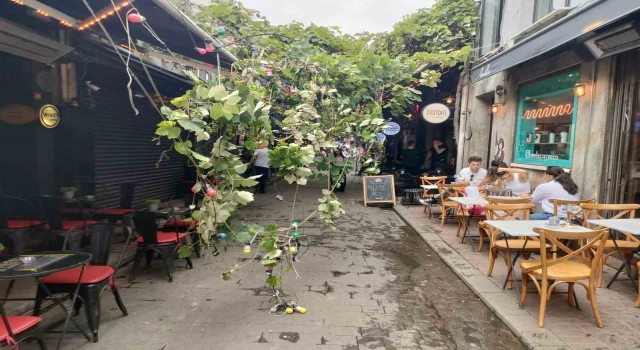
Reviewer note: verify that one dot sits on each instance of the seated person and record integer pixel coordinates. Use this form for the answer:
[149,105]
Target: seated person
[473,174]
[501,176]
[560,185]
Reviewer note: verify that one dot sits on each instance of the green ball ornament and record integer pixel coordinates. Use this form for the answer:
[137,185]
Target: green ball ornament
[295,235]
[221,31]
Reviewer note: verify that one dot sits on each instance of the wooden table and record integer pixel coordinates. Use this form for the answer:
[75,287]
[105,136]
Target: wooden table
[468,201]
[631,226]
[524,228]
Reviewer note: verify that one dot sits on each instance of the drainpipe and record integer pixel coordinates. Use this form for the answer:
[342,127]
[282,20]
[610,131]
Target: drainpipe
[586,151]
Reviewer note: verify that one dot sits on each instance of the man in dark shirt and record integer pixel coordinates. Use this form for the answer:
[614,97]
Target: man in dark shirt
[410,158]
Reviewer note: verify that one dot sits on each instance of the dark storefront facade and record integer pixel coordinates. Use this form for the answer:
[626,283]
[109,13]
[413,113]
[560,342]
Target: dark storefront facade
[99,142]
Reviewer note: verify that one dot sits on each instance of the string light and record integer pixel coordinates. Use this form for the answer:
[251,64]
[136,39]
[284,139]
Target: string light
[17,2]
[42,13]
[104,14]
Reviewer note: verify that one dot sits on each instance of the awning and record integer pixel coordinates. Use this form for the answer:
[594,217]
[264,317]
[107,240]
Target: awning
[580,23]
[176,30]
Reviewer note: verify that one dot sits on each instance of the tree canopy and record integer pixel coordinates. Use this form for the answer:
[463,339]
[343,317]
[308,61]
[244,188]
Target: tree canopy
[315,86]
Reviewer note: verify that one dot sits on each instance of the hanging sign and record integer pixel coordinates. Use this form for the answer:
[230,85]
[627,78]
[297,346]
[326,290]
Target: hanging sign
[436,113]
[17,114]
[381,137]
[49,116]
[392,128]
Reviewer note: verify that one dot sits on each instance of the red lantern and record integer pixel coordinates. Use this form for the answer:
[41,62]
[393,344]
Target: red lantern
[201,50]
[135,18]
[210,48]
[230,42]
[211,192]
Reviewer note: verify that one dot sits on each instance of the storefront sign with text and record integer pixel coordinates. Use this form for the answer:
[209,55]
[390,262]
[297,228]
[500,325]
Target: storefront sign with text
[49,116]
[436,113]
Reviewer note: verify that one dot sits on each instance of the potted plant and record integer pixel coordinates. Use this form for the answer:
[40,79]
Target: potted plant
[68,192]
[154,204]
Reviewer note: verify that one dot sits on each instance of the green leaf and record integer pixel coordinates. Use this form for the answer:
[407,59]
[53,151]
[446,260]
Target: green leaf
[273,281]
[180,101]
[192,124]
[267,244]
[218,92]
[240,169]
[183,147]
[202,92]
[216,111]
[225,276]
[199,157]
[184,251]
[244,197]
[243,237]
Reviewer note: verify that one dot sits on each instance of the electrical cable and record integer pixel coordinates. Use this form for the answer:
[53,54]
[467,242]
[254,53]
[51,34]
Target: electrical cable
[115,47]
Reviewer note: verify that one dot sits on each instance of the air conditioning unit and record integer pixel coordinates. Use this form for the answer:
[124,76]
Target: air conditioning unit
[552,17]
[616,40]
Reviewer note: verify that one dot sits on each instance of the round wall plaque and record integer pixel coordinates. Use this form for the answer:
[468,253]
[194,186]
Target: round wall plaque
[17,114]
[49,116]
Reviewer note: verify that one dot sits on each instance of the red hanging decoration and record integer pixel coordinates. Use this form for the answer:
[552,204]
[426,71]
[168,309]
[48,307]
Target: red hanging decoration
[201,50]
[210,48]
[230,42]
[135,18]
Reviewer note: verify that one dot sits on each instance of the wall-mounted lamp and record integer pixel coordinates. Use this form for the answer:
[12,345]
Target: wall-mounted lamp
[449,100]
[494,108]
[580,89]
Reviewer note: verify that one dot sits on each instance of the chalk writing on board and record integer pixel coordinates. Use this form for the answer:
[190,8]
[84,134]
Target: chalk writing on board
[379,189]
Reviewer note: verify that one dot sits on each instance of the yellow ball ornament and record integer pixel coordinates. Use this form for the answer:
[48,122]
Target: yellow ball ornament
[302,310]
[292,249]
[246,249]
[289,310]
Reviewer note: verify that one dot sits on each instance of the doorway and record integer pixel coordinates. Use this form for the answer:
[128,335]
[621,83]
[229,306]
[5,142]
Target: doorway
[622,163]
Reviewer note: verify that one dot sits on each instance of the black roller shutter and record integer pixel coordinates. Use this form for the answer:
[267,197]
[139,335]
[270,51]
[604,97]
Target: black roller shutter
[123,146]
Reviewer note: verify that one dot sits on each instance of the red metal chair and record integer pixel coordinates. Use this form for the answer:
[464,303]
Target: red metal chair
[96,239]
[151,241]
[14,329]
[124,212]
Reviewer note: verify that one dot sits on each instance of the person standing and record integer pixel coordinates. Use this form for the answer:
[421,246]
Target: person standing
[438,156]
[410,158]
[260,162]
[473,174]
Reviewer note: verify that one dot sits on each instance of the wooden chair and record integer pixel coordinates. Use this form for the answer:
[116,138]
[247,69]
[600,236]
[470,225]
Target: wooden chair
[626,246]
[448,206]
[571,268]
[576,211]
[638,300]
[506,246]
[431,181]
[428,193]
[482,227]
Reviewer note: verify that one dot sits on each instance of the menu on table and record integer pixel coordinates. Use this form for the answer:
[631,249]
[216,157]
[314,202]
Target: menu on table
[31,262]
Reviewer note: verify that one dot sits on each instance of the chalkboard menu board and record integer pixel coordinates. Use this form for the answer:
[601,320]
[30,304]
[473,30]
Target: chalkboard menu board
[379,189]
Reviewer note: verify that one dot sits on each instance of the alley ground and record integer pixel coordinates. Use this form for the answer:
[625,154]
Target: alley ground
[371,284]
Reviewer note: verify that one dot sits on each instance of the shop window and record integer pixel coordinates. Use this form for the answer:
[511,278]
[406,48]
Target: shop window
[546,121]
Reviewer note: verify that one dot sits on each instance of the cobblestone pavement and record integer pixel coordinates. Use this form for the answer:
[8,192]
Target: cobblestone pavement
[371,284]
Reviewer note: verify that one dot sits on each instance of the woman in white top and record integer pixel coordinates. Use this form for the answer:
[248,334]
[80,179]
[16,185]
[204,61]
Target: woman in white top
[516,180]
[559,186]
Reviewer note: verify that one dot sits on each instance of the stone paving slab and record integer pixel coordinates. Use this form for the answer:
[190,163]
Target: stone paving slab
[371,284]
[565,326]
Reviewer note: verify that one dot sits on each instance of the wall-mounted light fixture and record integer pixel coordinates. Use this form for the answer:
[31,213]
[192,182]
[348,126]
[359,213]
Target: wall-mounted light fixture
[495,108]
[449,100]
[580,89]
